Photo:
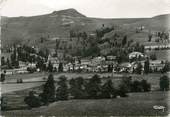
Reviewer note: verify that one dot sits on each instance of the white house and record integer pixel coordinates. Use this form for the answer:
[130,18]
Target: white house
[135,55]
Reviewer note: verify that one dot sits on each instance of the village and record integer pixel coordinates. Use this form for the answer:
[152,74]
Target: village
[24,59]
[96,64]
[65,63]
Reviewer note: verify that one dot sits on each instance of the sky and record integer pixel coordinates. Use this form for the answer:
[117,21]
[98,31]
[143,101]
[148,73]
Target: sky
[90,8]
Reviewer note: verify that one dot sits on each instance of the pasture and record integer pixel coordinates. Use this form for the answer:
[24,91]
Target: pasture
[134,105]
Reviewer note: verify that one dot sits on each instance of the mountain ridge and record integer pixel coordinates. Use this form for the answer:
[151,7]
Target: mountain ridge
[59,24]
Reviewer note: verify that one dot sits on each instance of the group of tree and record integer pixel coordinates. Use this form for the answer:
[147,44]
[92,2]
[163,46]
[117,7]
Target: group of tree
[100,32]
[26,54]
[136,85]
[78,34]
[140,86]
[163,36]
[6,62]
[79,88]
[166,67]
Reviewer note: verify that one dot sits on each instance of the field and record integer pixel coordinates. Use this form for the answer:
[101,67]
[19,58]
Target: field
[134,105]
[36,79]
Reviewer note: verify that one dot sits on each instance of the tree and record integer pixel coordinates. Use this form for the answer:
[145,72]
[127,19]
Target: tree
[150,37]
[48,94]
[110,68]
[139,68]
[164,83]
[50,67]
[62,90]
[14,58]
[153,57]
[122,91]
[146,66]
[166,68]
[32,101]
[124,41]
[127,82]
[2,77]
[3,60]
[136,86]
[145,86]
[60,67]
[77,88]
[8,63]
[93,87]
[108,90]
[40,64]
[3,103]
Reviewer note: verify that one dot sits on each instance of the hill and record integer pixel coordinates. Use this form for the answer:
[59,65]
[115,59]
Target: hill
[59,23]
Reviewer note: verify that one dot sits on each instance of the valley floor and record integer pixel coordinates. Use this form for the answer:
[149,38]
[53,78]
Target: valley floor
[36,79]
[134,105]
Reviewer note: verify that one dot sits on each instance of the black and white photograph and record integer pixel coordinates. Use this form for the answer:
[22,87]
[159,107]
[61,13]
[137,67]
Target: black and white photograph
[62,58]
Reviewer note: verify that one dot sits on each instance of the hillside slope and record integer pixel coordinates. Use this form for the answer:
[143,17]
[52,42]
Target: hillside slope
[59,23]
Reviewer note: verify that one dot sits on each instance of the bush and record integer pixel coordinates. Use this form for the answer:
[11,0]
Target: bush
[32,101]
[164,83]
